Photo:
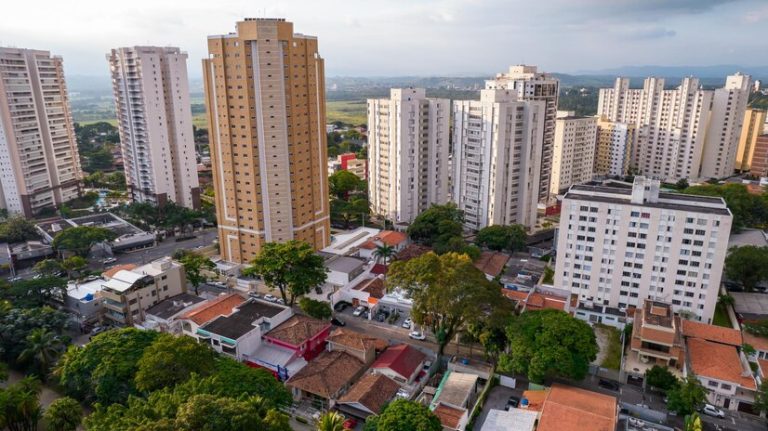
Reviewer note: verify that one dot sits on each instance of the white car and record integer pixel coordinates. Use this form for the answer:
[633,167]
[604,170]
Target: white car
[270,298]
[109,260]
[417,335]
[358,311]
[711,410]
[407,323]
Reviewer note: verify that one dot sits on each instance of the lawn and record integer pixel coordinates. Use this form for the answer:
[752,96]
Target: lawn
[612,335]
[347,111]
[721,317]
[112,121]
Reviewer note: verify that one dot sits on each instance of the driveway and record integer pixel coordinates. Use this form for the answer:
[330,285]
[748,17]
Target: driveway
[497,400]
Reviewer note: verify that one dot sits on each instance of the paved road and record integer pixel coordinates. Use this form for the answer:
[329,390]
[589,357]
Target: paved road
[167,247]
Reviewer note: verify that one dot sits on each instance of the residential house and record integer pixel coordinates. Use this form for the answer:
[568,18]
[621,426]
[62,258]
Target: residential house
[303,334]
[326,378]
[348,243]
[165,315]
[364,347]
[208,311]
[129,293]
[366,292]
[725,373]
[717,334]
[656,339]
[454,398]
[342,269]
[84,300]
[760,344]
[402,363]
[568,408]
[591,312]
[397,240]
[368,396]
[540,298]
[492,263]
[510,420]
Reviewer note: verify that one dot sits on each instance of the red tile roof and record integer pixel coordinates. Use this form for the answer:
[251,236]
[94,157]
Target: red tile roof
[356,340]
[374,286]
[718,361]
[298,330]
[117,268]
[411,251]
[763,368]
[372,391]
[718,334]
[492,262]
[221,306]
[327,374]
[388,237]
[567,408]
[379,269]
[759,343]
[402,359]
[449,416]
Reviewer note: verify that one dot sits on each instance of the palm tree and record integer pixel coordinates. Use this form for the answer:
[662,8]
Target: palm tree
[43,348]
[384,252]
[330,421]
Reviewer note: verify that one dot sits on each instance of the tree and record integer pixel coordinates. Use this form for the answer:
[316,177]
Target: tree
[73,264]
[20,405]
[64,414]
[447,292]
[194,263]
[549,343]
[384,252]
[349,211]
[404,415]
[317,309]
[549,275]
[693,423]
[682,184]
[685,397]
[660,378]
[34,292]
[725,300]
[43,349]
[761,398]
[292,267]
[170,360]
[331,421]
[499,237]
[342,183]
[17,324]
[47,267]
[18,229]
[491,332]
[80,239]
[748,349]
[748,265]
[748,210]
[437,224]
[212,413]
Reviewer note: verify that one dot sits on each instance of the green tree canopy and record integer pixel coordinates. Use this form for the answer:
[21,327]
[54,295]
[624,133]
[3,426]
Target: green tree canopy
[48,267]
[499,237]
[685,397]
[761,398]
[20,405]
[349,211]
[194,264]
[438,224]
[448,292]
[43,348]
[17,324]
[74,264]
[549,343]
[747,265]
[331,421]
[64,414]
[80,239]
[170,360]
[660,378]
[342,183]
[292,267]
[317,309]
[34,292]
[404,415]
[748,210]
[18,229]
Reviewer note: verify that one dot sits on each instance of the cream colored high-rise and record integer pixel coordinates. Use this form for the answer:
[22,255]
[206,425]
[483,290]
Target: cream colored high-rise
[39,161]
[754,121]
[573,156]
[724,128]
[151,91]
[614,147]
[408,136]
[497,158]
[265,98]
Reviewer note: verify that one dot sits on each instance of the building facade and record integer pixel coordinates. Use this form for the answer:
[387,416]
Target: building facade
[532,85]
[39,161]
[265,94]
[154,116]
[615,142]
[754,123]
[409,153]
[724,129]
[759,163]
[573,155]
[621,246]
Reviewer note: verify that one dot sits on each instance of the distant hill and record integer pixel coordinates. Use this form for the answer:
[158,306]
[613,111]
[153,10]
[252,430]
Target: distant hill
[716,71]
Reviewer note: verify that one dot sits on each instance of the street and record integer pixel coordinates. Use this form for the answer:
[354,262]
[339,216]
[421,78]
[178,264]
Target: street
[166,248]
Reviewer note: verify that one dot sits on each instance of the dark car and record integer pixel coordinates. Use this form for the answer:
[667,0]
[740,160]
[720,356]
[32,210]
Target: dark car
[512,403]
[609,384]
[341,306]
[338,322]
[318,290]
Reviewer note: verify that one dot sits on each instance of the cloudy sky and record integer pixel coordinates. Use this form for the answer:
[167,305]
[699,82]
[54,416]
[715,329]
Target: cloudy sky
[413,37]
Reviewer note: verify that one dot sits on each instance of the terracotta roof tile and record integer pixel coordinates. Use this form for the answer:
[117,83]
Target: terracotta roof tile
[567,408]
[492,262]
[515,295]
[449,416]
[759,343]
[412,251]
[379,269]
[356,340]
[763,367]
[714,333]
[327,374]
[221,306]
[402,359]
[374,286]
[117,268]
[298,329]
[372,391]
[718,361]
[535,399]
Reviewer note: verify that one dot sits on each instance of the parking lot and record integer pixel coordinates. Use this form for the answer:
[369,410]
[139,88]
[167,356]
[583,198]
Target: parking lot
[382,317]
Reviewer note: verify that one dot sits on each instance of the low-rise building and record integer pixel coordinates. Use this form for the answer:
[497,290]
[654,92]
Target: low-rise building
[165,315]
[510,420]
[402,363]
[656,339]
[84,300]
[397,240]
[130,293]
[362,346]
[348,243]
[454,398]
[304,335]
[326,378]
[342,269]
[724,372]
[127,236]
[540,298]
[368,396]
[603,314]
[760,344]
[567,408]
[492,263]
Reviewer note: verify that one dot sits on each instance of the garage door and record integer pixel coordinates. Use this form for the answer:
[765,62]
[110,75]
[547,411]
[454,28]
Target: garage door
[746,408]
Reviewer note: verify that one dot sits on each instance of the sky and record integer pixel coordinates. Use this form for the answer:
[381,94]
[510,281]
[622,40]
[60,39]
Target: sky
[412,37]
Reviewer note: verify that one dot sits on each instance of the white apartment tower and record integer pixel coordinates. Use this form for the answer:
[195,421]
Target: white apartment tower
[408,138]
[615,142]
[155,120]
[497,158]
[620,246]
[725,123]
[39,161]
[573,155]
[531,85]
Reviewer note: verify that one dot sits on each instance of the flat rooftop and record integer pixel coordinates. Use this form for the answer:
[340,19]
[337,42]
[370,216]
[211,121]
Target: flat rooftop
[168,308]
[241,321]
[344,264]
[673,201]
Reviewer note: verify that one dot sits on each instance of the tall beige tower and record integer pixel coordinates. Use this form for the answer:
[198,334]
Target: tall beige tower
[39,161]
[265,98]
[153,111]
[754,121]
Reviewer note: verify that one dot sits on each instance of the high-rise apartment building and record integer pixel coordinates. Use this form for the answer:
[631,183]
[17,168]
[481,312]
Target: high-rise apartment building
[39,161]
[497,158]
[759,163]
[531,85]
[724,127]
[265,98]
[620,246]
[573,156]
[754,122]
[615,142]
[154,116]
[408,136]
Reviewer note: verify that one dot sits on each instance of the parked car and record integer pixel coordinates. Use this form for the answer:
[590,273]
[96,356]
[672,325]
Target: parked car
[109,260]
[97,330]
[366,314]
[270,298]
[358,311]
[254,295]
[609,384]
[711,410]
[17,278]
[427,365]
[417,335]
[341,306]
[407,323]
[280,301]
[512,403]
[350,424]
[318,290]
[338,322]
